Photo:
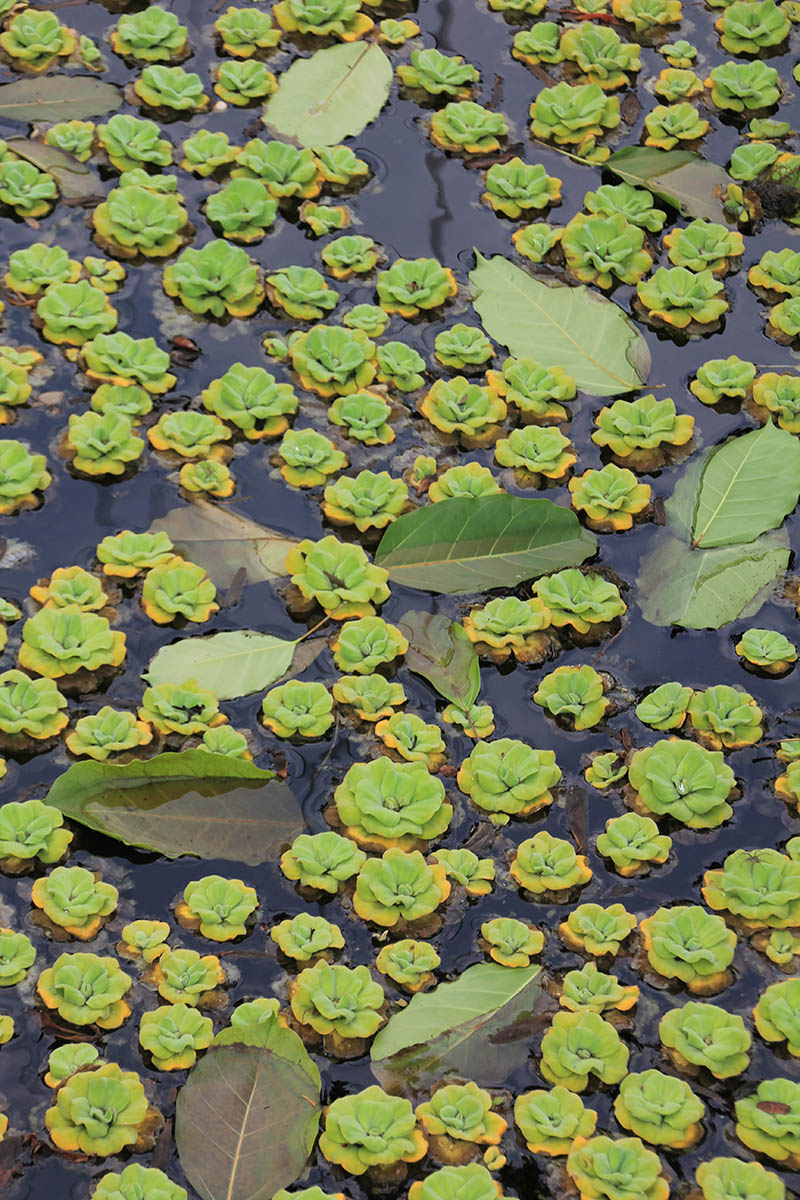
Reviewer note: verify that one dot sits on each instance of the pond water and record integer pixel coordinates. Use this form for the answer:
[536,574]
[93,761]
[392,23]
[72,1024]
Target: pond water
[419,201]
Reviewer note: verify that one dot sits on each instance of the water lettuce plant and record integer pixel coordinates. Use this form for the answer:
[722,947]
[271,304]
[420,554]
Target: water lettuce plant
[22,475]
[704,245]
[322,861]
[371,698]
[17,956]
[660,1109]
[399,889]
[605,249]
[307,939]
[719,1177]
[596,930]
[690,944]
[411,286]
[102,443]
[86,989]
[363,417]
[551,1122]
[183,708]
[581,1044]
[297,709]
[684,781]
[506,778]
[126,554]
[98,1112]
[75,900]
[633,843]
[585,604]
[508,625]
[576,694]
[725,718]
[669,125]
[185,977]
[60,642]
[34,39]
[609,499]
[343,1004]
[475,875]
[383,804]
[777,1014]
[172,1034]
[758,887]
[665,708]
[177,588]
[536,454]
[370,1129]
[285,170]
[307,458]
[31,832]
[171,88]
[338,577]
[461,1112]
[219,908]
[680,298]
[589,988]
[634,204]
[721,379]
[705,1035]
[511,942]
[218,279]
[369,500]
[464,127]
[575,116]
[144,940]
[749,26]
[615,1168]
[323,18]
[246,31]
[517,188]
[767,1121]
[153,35]
[546,864]
[439,74]
[331,360]
[767,650]
[601,55]
[533,389]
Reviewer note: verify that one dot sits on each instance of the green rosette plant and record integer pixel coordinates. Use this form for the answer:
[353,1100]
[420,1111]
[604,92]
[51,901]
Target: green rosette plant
[383,804]
[153,35]
[59,642]
[517,7]
[285,170]
[339,165]
[224,740]
[31,831]
[332,361]
[510,942]
[601,55]
[133,141]
[322,861]
[184,708]
[768,1121]
[135,1181]
[457,407]
[460,1112]
[218,279]
[506,778]
[581,1044]
[475,720]
[369,500]
[777,1014]
[102,443]
[666,707]
[464,127]
[648,15]
[704,1035]
[22,475]
[633,843]
[109,731]
[25,189]
[243,81]
[218,907]
[783,321]
[207,475]
[576,694]
[205,151]
[67,1059]
[35,39]
[30,708]
[252,400]
[667,125]
[516,188]
[539,44]
[476,875]
[587,604]
[307,939]
[605,1168]
[126,555]
[719,1178]
[610,498]
[86,989]
[399,889]
[184,977]
[409,963]
[338,577]
[546,864]
[575,116]
[721,379]
[369,1130]
[533,389]
[781,946]
[371,697]
[704,245]
[594,990]
[178,588]
[98,1112]
[32,269]
[462,346]
[369,318]
[660,1109]
[597,930]
[343,1004]
[767,650]
[365,644]
[605,770]
[301,292]
[776,271]
[104,273]
[144,940]
[778,396]
[75,900]
[307,458]
[536,241]
[172,1035]
[190,434]
[470,481]
[135,220]
[684,781]
[725,718]
[550,1122]
[642,432]
[439,74]
[323,18]
[679,53]
[411,286]
[396,33]
[748,162]
[73,313]
[508,625]
[14,388]
[605,249]
[757,887]
[364,417]
[255,1014]
[634,204]
[297,709]
[17,956]
[677,297]
[750,26]
[689,944]
[171,88]
[470,1179]
[674,84]
[350,255]
[244,32]
[119,359]
[536,454]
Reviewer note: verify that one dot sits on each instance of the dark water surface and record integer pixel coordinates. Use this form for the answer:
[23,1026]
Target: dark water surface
[418,202]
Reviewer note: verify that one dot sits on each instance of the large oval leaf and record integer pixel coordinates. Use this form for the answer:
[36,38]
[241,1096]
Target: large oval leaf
[692,184]
[330,96]
[440,651]
[58,98]
[560,326]
[231,664]
[466,545]
[245,1123]
[194,802]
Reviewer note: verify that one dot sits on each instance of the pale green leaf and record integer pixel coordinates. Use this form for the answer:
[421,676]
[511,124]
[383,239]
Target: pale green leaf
[230,664]
[58,98]
[692,184]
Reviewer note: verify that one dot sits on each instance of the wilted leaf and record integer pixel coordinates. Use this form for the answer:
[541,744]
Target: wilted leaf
[229,664]
[466,1028]
[558,325]
[330,96]
[223,542]
[693,184]
[705,589]
[440,651]
[77,182]
[58,98]
[209,805]
[245,1123]
[467,545]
